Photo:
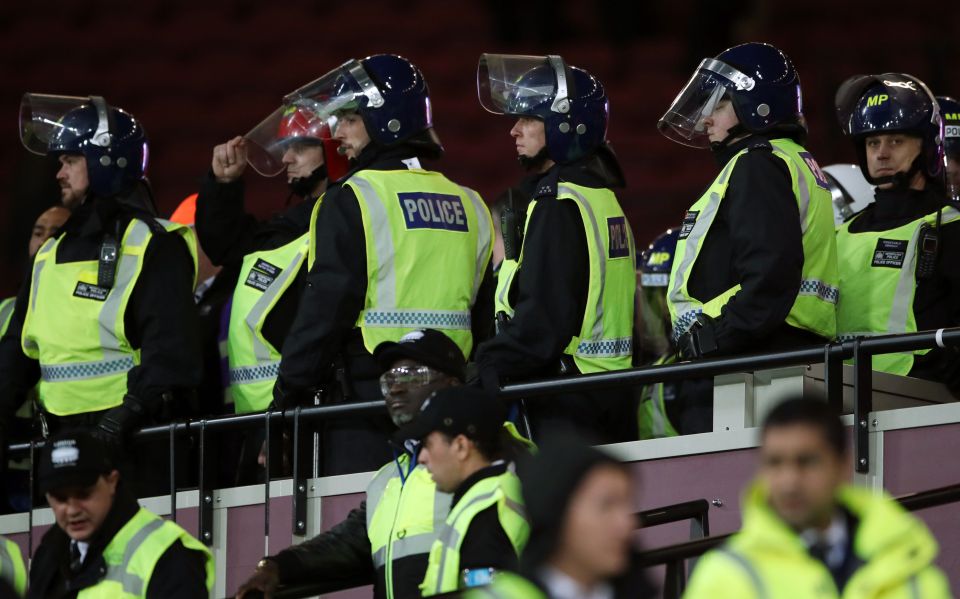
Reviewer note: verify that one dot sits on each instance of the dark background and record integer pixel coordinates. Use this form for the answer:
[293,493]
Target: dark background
[197,73]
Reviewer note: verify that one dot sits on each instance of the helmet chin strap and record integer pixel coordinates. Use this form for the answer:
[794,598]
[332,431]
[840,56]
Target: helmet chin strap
[734,132]
[900,179]
[534,163]
[304,186]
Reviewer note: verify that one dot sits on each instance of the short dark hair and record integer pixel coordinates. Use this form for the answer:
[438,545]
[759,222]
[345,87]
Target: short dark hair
[810,412]
[490,448]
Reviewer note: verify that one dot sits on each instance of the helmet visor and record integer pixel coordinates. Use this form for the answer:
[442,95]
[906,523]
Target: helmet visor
[41,119]
[684,120]
[284,127]
[512,84]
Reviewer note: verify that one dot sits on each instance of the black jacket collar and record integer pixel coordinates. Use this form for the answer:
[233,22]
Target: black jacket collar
[599,170]
[488,472]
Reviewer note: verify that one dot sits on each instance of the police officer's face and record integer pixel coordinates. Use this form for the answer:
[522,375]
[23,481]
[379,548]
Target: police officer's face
[73,180]
[721,121]
[80,511]
[404,399]
[801,473]
[444,458]
[352,134]
[889,154]
[47,226]
[529,136]
[301,159]
[598,528]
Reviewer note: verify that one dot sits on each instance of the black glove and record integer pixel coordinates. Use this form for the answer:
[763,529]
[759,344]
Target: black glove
[119,422]
[700,340]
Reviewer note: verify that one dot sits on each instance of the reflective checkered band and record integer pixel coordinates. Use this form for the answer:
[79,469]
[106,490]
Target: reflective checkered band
[606,347]
[53,373]
[250,374]
[684,322]
[819,289]
[417,319]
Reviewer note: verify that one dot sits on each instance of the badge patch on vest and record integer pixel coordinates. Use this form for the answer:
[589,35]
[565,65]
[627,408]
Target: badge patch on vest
[90,291]
[262,275]
[815,169]
[440,211]
[689,220]
[890,253]
[619,237]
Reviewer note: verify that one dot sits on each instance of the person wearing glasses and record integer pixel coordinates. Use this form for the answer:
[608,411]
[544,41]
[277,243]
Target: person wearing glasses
[401,496]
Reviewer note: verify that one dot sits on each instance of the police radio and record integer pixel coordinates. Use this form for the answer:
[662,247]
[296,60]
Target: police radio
[928,247]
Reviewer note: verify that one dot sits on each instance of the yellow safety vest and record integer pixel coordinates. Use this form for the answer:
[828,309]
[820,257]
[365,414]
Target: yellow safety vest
[815,307]
[878,278]
[6,314]
[254,362]
[428,245]
[503,491]
[652,420]
[133,553]
[403,515]
[76,329]
[605,340]
[12,568]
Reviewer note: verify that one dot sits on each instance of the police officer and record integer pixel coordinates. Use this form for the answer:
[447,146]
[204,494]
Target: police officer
[104,544]
[97,330]
[806,533]
[897,257]
[565,296]
[401,496]
[13,571]
[394,248]
[270,256]
[461,435]
[756,263]
[950,112]
[653,420]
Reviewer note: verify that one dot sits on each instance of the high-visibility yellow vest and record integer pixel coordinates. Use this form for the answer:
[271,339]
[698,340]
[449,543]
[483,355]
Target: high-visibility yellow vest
[814,309]
[12,568]
[652,420]
[503,491]
[878,278]
[6,314]
[254,362]
[133,553]
[404,513]
[76,329]
[428,245]
[605,340]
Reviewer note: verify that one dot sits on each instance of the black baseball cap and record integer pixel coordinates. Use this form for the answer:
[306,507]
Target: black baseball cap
[428,347]
[461,410]
[72,459]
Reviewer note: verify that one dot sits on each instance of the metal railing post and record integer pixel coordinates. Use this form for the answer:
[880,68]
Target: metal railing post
[173,471]
[205,490]
[299,478]
[862,404]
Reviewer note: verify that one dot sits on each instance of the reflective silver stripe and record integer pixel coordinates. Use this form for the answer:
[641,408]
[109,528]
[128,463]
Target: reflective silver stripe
[804,192]
[418,319]
[127,268]
[252,374]
[597,332]
[906,287]
[38,263]
[688,310]
[450,538]
[379,557]
[81,371]
[130,582]
[261,351]
[412,545]
[377,487]
[7,569]
[750,571]
[515,507]
[484,239]
[658,426]
[6,309]
[914,587]
[383,241]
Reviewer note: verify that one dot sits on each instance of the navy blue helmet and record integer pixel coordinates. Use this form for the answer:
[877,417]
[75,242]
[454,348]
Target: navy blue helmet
[891,103]
[657,260]
[758,79]
[571,102]
[111,139]
[950,112]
